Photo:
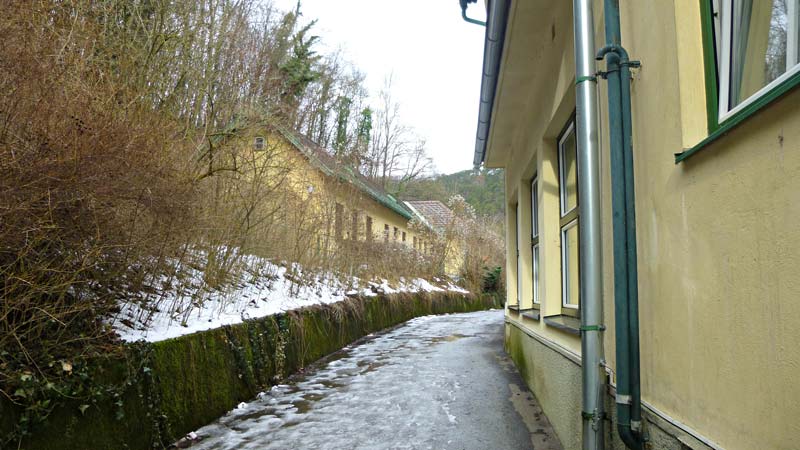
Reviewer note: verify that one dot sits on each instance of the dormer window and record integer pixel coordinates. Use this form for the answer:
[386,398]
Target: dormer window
[258,144]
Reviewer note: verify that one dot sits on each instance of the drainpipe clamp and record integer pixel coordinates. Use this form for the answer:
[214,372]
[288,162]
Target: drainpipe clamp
[636,425]
[594,417]
[624,399]
[581,79]
[592,328]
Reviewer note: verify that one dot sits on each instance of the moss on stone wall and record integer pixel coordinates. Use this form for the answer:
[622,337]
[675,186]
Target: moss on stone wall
[171,387]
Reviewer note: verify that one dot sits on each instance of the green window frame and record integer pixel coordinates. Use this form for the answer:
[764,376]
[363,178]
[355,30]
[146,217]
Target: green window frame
[537,301]
[718,28]
[569,220]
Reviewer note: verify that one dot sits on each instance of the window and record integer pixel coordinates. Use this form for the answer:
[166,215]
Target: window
[339,224]
[386,232]
[568,193]
[519,275]
[369,229]
[757,49]
[414,240]
[535,240]
[354,226]
[258,144]
[751,57]
[404,236]
[396,233]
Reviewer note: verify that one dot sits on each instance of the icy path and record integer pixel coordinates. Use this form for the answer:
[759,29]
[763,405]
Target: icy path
[437,382]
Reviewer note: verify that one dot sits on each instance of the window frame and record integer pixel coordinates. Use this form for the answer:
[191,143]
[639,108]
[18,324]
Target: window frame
[562,200]
[712,37]
[568,219]
[724,27]
[517,217]
[535,267]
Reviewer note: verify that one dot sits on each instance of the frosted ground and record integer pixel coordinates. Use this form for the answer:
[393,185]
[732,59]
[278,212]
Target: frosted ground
[437,382]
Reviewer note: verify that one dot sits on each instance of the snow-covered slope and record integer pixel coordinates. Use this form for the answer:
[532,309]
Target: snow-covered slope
[263,289]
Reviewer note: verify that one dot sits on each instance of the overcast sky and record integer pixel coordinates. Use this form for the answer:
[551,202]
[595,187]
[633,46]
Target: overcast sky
[434,55]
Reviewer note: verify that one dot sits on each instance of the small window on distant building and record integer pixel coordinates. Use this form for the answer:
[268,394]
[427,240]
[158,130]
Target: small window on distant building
[415,243]
[354,226]
[339,225]
[404,236]
[258,144]
[386,232]
[396,233]
[369,229]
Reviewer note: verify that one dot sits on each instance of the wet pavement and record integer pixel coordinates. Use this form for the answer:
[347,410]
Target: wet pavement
[436,382]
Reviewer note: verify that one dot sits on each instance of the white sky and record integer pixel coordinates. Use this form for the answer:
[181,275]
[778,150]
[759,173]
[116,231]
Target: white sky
[434,55]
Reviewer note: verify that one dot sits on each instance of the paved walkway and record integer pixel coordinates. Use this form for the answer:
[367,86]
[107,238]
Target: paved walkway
[437,382]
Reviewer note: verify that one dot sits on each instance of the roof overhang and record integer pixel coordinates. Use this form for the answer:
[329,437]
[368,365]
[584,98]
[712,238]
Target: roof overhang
[535,60]
[496,22]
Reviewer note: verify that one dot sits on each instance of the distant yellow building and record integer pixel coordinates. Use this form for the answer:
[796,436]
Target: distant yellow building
[706,233]
[334,206]
[437,217]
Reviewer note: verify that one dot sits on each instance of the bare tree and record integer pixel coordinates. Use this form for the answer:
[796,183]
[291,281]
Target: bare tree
[396,153]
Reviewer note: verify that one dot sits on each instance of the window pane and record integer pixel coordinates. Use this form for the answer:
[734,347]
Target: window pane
[518,273]
[536,274]
[569,255]
[760,40]
[568,171]
[534,208]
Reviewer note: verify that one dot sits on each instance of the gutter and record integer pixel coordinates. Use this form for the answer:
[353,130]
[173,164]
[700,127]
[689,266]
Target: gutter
[496,24]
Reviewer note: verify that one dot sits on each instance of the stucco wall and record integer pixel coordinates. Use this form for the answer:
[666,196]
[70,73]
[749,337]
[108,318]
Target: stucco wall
[553,378]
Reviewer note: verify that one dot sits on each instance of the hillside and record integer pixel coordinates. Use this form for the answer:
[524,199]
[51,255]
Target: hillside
[483,190]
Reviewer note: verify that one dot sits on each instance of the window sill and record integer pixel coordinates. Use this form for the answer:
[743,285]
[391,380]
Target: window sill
[567,324]
[532,314]
[741,116]
[514,308]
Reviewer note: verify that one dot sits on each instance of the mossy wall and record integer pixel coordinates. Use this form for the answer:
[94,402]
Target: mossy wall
[178,385]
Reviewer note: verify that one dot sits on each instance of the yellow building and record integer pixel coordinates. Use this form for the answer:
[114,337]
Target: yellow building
[340,207]
[712,135]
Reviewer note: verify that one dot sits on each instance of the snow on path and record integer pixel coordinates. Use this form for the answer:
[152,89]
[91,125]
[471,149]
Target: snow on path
[433,383]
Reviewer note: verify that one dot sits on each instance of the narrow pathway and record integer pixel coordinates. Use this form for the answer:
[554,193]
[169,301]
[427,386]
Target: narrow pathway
[436,382]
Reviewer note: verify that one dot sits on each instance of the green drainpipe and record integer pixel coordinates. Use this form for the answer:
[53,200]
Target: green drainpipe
[463,4]
[626,297]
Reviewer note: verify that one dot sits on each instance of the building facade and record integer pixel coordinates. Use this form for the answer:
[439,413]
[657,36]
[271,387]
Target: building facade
[715,137]
[300,202]
[437,217]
